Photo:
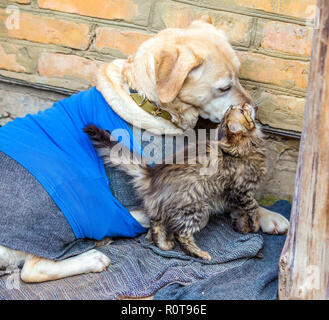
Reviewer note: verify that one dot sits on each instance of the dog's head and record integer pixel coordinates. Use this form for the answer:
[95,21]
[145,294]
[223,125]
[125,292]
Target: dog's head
[189,72]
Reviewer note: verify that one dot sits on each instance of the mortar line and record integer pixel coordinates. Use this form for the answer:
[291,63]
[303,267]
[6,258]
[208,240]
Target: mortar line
[150,17]
[254,31]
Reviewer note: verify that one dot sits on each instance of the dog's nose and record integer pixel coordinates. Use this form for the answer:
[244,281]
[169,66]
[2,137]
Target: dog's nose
[215,119]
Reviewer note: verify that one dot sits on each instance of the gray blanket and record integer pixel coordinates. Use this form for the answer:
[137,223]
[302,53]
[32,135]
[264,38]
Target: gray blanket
[141,270]
[30,220]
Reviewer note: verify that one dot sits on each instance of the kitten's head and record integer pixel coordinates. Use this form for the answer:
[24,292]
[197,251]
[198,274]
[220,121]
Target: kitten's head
[238,129]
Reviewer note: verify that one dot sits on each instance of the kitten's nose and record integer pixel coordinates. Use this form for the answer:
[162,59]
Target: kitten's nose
[252,109]
[252,105]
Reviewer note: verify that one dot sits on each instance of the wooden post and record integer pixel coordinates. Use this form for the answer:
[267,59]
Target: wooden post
[304,262]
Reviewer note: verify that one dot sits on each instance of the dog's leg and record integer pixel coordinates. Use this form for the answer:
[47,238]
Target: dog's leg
[188,245]
[272,222]
[38,269]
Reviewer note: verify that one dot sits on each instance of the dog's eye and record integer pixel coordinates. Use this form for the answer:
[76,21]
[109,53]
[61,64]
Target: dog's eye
[225,89]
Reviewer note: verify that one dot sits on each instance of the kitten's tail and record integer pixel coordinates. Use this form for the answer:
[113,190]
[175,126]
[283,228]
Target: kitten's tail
[121,158]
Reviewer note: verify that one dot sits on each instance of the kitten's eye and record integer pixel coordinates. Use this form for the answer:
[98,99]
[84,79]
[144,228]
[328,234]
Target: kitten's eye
[225,89]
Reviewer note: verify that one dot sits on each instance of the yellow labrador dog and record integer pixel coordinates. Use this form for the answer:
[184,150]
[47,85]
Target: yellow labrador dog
[187,73]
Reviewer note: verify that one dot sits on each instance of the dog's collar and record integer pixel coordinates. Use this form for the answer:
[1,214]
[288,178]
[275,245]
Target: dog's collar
[148,106]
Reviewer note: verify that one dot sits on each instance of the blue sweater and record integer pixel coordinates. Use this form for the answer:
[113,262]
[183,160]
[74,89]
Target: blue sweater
[52,146]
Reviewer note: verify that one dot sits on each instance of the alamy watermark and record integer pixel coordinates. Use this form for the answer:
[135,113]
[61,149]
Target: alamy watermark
[191,147]
[13,19]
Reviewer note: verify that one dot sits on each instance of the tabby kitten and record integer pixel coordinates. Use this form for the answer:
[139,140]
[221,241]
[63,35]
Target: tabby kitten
[178,199]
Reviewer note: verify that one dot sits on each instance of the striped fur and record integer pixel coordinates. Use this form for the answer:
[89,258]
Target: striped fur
[178,199]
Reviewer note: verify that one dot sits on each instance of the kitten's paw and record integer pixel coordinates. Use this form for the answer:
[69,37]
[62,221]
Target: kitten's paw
[167,245]
[204,255]
[253,225]
[241,225]
[104,242]
[149,237]
[272,222]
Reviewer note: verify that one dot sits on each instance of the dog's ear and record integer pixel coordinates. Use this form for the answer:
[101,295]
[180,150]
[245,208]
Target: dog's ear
[199,22]
[206,18]
[172,65]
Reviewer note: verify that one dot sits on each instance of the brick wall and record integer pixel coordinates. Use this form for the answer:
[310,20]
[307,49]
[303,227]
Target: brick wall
[60,43]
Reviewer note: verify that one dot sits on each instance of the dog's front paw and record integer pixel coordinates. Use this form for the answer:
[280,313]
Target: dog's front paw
[272,222]
[96,260]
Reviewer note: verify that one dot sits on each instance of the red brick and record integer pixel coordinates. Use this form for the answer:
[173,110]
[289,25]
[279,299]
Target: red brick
[67,66]
[22,1]
[285,73]
[281,111]
[303,9]
[300,8]
[46,30]
[287,38]
[8,58]
[111,40]
[128,10]
[173,15]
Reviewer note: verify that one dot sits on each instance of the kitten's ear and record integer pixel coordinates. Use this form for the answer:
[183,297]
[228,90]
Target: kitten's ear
[235,127]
